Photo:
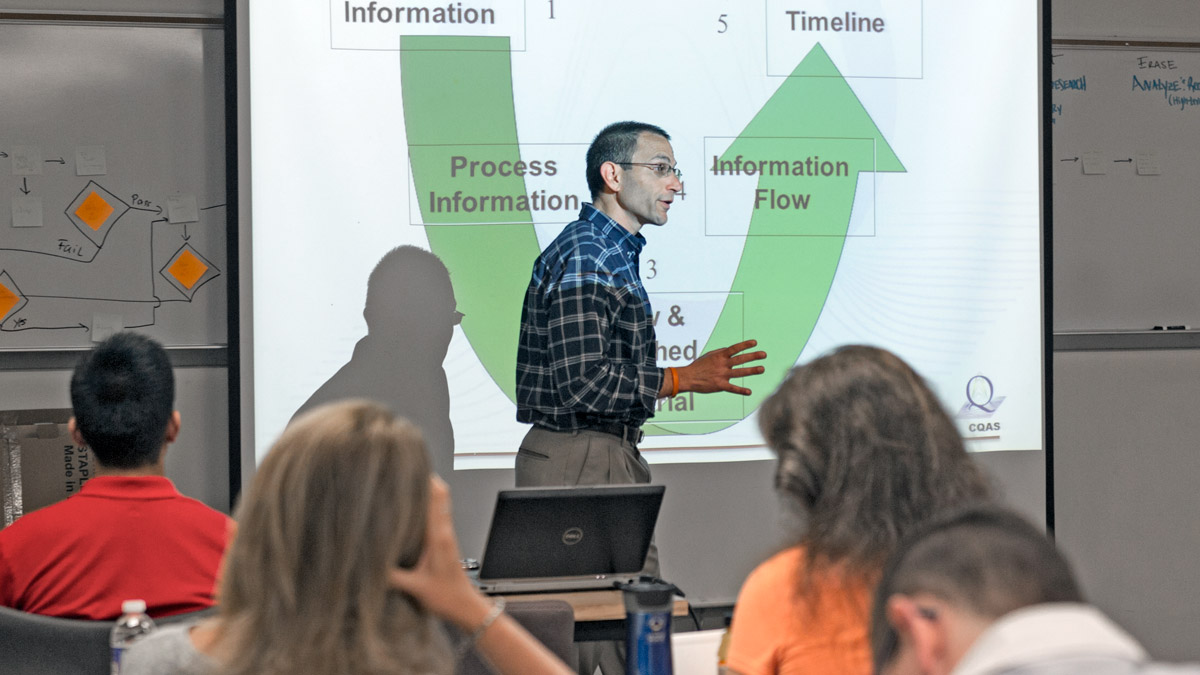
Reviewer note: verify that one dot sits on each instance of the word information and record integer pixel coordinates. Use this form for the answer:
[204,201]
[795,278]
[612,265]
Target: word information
[378,24]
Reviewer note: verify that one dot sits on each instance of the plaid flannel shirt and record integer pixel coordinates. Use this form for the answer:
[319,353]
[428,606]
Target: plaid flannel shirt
[587,351]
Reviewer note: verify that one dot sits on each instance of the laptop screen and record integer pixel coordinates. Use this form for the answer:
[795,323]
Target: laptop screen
[575,531]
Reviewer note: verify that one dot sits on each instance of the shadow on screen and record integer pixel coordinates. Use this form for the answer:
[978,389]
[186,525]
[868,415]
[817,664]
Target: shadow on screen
[410,313]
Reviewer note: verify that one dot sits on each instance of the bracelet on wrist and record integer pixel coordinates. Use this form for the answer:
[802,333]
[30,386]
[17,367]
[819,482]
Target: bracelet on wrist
[674,382]
[494,613]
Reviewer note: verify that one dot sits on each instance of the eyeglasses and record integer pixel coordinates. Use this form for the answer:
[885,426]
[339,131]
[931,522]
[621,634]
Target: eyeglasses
[660,169]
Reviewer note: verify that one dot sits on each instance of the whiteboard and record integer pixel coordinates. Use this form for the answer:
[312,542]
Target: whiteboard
[112,184]
[1125,138]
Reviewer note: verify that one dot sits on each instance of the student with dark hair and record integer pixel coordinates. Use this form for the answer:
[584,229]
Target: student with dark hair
[982,591]
[866,453]
[128,533]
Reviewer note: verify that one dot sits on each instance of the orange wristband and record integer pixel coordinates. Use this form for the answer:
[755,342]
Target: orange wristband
[674,383]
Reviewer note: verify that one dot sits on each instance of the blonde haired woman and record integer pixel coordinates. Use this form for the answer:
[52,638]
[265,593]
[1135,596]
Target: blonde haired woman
[344,560]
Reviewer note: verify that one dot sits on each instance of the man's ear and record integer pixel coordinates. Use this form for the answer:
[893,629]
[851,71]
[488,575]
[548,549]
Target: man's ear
[926,632]
[611,174]
[172,427]
[73,429]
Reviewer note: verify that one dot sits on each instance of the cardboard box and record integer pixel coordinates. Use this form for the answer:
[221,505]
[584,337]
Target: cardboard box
[39,463]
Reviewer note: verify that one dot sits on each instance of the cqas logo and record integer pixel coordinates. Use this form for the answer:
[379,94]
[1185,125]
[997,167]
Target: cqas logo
[981,404]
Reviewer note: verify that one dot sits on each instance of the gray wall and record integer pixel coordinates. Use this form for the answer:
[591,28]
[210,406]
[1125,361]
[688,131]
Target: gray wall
[1126,468]
[196,463]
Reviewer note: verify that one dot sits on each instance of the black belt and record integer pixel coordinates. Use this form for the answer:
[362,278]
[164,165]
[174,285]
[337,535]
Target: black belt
[622,431]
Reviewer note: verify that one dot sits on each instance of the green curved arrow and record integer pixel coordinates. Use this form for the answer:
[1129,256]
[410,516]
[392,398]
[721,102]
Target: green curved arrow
[791,255]
[457,95]
[458,101]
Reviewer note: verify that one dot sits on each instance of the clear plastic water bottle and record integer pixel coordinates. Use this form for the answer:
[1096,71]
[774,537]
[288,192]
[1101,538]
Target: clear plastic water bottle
[132,626]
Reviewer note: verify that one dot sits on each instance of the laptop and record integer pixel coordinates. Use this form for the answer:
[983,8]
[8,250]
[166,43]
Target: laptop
[568,539]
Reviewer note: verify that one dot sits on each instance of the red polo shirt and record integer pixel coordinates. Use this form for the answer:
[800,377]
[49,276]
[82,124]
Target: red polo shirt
[119,538]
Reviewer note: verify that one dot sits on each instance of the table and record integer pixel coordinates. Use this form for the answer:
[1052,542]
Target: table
[599,615]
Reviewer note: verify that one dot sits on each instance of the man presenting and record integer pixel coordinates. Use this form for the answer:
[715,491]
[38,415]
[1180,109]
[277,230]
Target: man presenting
[586,373]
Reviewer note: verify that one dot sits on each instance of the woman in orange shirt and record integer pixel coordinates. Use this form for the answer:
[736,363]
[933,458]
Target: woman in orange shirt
[865,453]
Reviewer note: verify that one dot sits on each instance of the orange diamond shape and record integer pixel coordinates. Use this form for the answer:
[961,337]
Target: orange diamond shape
[188,269]
[94,211]
[8,300]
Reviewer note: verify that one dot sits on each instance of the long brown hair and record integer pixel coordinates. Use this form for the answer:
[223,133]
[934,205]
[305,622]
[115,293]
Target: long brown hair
[341,497]
[866,452]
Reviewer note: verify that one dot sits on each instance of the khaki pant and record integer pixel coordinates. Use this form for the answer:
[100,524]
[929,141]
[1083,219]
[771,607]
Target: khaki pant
[568,458]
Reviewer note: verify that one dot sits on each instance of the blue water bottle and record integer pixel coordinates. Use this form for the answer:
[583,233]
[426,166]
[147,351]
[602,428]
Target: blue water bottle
[648,627]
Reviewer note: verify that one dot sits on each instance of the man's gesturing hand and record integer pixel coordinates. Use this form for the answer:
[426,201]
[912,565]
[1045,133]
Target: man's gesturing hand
[714,370]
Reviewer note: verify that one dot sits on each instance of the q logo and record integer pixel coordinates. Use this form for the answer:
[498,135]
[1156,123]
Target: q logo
[572,536]
[982,400]
[980,392]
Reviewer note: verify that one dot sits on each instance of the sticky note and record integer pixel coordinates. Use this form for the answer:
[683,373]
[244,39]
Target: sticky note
[27,211]
[8,300]
[94,211]
[89,160]
[1094,163]
[1147,163]
[182,209]
[188,269]
[105,326]
[26,160]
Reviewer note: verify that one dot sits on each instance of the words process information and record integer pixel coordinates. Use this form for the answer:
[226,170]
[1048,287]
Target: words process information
[838,186]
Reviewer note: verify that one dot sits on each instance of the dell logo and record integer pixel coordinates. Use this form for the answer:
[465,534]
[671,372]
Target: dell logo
[572,536]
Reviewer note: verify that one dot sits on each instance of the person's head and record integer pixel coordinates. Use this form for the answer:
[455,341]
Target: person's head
[866,452]
[410,298]
[952,578]
[341,498]
[123,397]
[631,170]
